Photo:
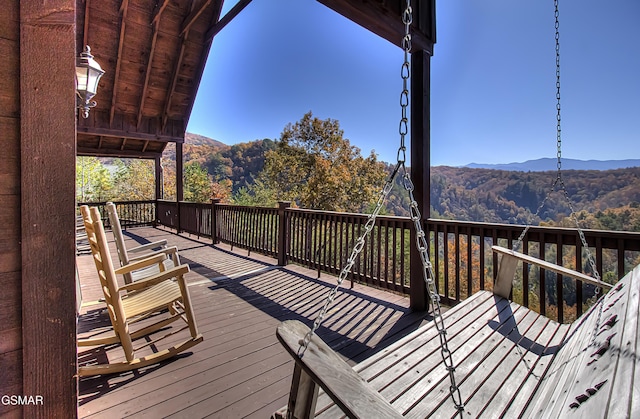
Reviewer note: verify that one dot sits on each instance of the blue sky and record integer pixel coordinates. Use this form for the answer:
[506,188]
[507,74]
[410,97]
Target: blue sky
[492,79]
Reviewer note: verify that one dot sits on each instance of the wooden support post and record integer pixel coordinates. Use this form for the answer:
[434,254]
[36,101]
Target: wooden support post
[282,232]
[214,221]
[159,179]
[420,166]
[179,182]
[47,139]
[159,189]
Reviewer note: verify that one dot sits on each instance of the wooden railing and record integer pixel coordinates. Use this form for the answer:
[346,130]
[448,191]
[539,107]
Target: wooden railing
[252,228]
[324,240]
[130,213]
[460,252]
[463,262]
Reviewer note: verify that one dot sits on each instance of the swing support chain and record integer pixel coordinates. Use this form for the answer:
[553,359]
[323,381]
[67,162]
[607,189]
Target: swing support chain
[558,183]
[416,217]
[351,261]
[436,311]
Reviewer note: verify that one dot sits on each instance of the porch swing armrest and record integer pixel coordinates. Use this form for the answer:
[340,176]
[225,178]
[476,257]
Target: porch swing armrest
[510,258]
[325,368]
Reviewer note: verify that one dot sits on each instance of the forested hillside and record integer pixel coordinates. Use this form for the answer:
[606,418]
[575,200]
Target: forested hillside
[607,200]
[501,196]
[238,163]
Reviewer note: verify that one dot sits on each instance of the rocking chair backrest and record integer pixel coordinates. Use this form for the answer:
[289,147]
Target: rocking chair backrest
[117,233]
[104,266]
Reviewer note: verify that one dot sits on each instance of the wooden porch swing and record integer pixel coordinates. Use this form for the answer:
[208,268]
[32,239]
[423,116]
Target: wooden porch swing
[510,361]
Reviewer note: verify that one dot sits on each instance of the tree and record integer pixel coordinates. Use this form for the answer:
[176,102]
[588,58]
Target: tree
[134,179]
[93,180]
[255,194]
[314,166]
[222,190]
[197,183]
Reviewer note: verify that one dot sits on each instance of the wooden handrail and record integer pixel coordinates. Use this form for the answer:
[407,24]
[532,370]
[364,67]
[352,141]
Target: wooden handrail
[462,261]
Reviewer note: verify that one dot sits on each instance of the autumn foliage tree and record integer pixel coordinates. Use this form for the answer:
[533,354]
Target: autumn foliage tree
[314,166]
[134,179]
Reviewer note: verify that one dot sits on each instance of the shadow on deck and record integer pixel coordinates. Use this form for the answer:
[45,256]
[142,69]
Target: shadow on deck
[240,370]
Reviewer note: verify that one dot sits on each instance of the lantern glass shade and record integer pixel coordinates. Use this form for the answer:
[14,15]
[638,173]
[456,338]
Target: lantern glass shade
[88,73]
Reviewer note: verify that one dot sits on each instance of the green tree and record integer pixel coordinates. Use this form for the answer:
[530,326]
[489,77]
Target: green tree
[316,167]
[134,179]
[198,183]
[255,194]
[94,182]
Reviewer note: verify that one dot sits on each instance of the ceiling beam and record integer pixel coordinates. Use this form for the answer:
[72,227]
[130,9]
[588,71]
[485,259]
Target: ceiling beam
[174,81]
[176,71]
[123,16]
[147,75]
[384,18]
[157,12]
[193,16]
[204,54]
[117,133]
[131,154]
[220,24]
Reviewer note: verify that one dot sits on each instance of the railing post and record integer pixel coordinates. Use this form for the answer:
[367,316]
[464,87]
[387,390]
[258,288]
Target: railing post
[418,290]
[154,218]
[282,232]
[214,221]
[178,229]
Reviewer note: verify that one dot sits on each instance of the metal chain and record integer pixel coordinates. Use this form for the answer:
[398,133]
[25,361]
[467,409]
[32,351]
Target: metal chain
[558,117]
[357,248]
[407,18]
[436,311]
[416,217]
[559,181]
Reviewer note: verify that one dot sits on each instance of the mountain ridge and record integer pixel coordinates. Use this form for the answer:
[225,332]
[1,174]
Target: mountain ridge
[550,164]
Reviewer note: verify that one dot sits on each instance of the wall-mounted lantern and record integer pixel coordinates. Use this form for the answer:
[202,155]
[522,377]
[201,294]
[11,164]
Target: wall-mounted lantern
[88,73]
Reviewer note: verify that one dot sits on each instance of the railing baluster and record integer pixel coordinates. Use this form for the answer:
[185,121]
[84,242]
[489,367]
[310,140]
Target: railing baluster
[321,240]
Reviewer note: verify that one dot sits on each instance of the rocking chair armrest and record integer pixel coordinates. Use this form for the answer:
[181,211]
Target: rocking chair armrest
[147,246]
[177,271]
[169,252]
[139,264]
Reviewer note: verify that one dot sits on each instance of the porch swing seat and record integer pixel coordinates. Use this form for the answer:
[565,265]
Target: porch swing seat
[510,362]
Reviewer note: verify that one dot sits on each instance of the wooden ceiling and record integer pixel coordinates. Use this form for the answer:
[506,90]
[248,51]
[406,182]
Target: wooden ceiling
[154,52]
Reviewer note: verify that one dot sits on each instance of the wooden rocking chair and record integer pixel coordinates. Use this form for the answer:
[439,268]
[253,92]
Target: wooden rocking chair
[153,295]
[140,252]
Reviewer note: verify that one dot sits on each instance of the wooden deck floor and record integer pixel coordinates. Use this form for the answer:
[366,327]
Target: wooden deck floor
[240,370]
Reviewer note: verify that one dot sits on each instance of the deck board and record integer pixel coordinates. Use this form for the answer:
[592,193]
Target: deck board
[239,370]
